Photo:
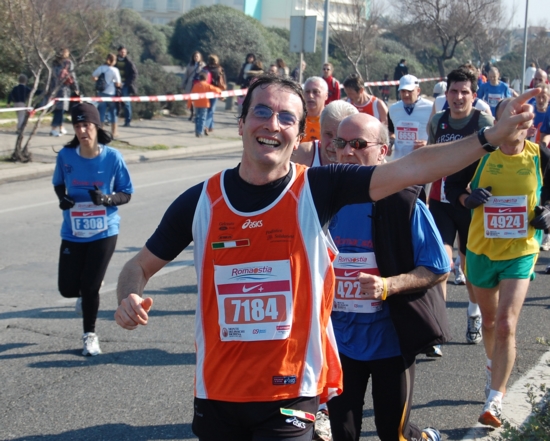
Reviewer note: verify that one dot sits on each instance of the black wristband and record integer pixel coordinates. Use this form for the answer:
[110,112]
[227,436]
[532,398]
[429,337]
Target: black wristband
[484,143]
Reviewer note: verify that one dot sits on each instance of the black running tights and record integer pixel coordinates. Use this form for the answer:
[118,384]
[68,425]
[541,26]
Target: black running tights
[82,267]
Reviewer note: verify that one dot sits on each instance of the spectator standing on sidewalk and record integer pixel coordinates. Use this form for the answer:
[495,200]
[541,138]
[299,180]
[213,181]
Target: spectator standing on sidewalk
[385,90]
[282,69]
[244,78]
[111,80]
[64,81]
[202,104]
[19,96]
[400,71]
[192,71]
[217,76]
[128,74]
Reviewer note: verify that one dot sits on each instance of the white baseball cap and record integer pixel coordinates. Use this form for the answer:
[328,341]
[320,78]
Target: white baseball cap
[408,82]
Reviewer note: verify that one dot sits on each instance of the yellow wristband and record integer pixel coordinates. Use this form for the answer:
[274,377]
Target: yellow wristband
[385,289]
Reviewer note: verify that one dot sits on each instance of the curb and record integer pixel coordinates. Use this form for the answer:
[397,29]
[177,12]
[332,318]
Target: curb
[22,172]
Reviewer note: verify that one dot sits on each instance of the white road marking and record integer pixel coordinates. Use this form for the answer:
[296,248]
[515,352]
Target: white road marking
[515,408]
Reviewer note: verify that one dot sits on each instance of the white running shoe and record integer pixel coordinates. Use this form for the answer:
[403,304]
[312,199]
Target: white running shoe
[473,333]
[91,344]
[54,133]
[62,131]
[78,306]
[488,377]
[491,414]
[460,278]
[545,245]
[322,429]
[431,434]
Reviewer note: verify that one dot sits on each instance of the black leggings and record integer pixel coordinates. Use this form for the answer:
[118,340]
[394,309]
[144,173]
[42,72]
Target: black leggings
[82,267]
[392,390]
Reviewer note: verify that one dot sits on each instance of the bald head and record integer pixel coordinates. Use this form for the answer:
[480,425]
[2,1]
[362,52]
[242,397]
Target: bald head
[540,76]
[363,127]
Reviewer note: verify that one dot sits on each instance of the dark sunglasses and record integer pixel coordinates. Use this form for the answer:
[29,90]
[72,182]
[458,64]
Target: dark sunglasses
[286,119]
[357,144]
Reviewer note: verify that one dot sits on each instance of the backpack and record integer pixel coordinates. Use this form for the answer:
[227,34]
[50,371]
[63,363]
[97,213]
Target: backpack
[101,83]
[219,79]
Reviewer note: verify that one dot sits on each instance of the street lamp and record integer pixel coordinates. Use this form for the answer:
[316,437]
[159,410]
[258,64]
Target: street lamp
[525,44]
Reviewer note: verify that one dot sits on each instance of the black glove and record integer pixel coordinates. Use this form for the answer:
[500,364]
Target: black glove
[66,203]
[98,197]
[541,221]
[478,197]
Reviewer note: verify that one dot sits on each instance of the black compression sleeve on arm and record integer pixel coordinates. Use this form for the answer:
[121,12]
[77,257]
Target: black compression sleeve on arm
[60,191]
[120,198]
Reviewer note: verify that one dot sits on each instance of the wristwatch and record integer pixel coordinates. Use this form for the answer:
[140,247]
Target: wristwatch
[484,143]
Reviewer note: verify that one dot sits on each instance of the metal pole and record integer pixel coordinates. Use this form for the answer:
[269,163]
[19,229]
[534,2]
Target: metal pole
[325,33]
[525,86]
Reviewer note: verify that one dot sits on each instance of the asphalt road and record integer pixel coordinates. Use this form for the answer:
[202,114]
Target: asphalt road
[141,387]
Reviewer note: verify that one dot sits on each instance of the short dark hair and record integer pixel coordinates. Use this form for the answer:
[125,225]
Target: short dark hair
[121,47]
[264,81]
[203,75]
[355,82]
[462,74]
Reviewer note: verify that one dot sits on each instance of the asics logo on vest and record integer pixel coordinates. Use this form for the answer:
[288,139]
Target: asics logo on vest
[252,224]
[295,421]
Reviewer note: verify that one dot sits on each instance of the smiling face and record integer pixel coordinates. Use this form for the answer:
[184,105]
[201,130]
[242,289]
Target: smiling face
[460,98]
[329,130]
[267,145]
[86,132]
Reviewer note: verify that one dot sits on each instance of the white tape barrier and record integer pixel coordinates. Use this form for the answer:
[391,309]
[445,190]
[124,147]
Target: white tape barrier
[178,97]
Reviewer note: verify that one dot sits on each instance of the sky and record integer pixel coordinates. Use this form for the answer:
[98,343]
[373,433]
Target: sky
[539,12]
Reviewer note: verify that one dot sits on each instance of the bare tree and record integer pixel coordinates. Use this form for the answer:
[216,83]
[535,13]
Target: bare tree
[354,28]
[538,49]
[445,24]
[37,30]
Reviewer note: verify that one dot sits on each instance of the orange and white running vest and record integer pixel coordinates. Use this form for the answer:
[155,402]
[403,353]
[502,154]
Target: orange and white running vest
[265,291]
[370,107]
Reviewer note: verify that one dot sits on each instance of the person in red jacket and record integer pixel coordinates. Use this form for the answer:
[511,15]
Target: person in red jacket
[332,83]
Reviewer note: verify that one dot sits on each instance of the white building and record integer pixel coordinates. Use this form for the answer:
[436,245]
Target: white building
[268,12]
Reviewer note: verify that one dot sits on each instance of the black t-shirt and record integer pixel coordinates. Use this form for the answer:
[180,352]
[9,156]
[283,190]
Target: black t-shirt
[332,187]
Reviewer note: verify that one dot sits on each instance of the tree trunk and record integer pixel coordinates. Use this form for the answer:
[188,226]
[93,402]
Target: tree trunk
[441,67]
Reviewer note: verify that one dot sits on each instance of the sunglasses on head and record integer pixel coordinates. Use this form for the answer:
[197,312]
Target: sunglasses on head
[357,144]
[286,119]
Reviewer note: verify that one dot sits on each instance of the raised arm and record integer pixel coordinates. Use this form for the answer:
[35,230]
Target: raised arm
[433,162]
